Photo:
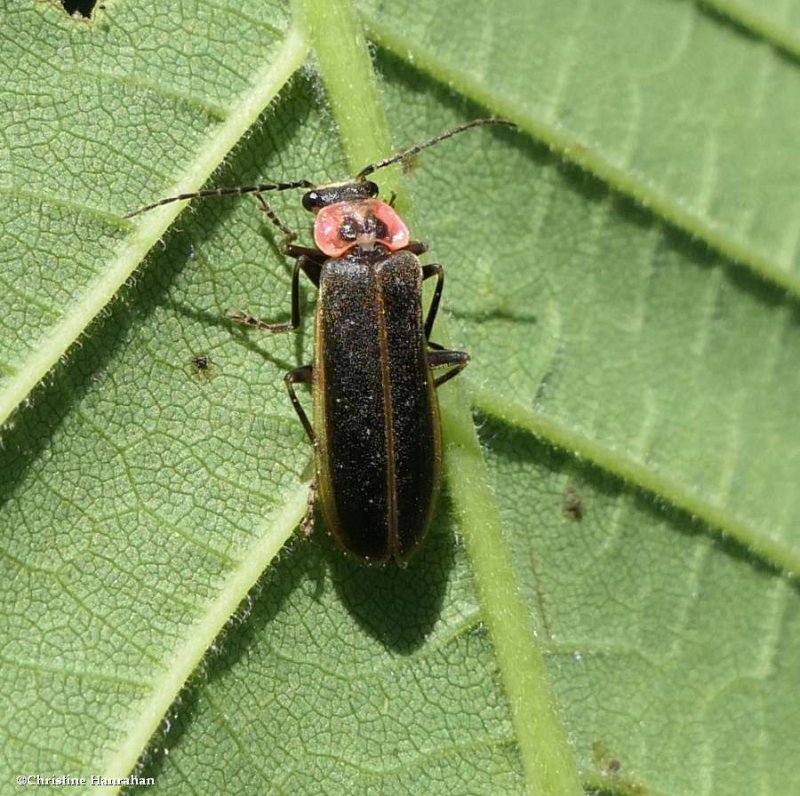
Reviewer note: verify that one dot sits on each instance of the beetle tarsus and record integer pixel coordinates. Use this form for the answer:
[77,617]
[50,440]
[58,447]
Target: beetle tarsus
[245,319]
[307,525]
[442,358]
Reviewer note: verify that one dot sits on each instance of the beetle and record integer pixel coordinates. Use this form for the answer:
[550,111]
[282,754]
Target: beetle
[376,430]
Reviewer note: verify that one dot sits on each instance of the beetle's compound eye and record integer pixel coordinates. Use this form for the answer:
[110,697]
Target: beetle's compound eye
[370,188]
[342,226]
[312,201]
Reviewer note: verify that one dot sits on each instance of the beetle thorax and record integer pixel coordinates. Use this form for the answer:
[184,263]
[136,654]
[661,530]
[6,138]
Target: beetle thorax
[366,224]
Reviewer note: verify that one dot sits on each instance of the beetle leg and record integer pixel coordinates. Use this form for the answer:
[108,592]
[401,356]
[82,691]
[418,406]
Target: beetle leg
[434,269]
[312,270]
[313,260]
[416,247]
[440,358]
[302,375]
[288,234]
[307,526]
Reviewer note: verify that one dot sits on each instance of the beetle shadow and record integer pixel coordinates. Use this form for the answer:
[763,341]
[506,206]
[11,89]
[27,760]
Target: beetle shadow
[497,314]
[397,605]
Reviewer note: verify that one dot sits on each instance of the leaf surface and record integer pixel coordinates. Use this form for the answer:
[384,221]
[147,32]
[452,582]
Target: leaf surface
[633,368]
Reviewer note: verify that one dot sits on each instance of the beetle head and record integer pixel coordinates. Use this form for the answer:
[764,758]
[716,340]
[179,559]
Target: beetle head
[326,195]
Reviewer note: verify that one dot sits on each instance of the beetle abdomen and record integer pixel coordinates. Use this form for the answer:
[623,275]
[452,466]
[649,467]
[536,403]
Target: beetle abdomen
[378,444]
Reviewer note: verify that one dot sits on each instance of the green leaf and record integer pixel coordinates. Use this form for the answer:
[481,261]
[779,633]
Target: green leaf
[608,592]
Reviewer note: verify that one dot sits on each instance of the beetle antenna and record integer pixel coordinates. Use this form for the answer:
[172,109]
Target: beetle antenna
[373,167]
[238,191]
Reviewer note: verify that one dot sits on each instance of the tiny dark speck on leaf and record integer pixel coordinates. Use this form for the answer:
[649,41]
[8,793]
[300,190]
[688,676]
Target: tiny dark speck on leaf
[202,365]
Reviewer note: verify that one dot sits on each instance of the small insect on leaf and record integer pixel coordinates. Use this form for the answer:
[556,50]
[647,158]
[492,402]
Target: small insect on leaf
[202,365]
